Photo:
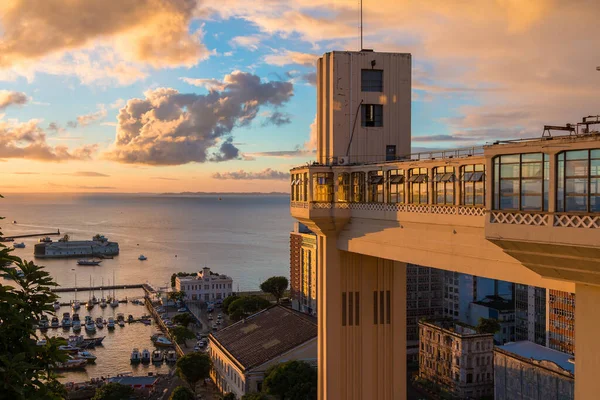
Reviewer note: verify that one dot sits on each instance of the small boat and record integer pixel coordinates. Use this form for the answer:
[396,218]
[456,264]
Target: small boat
[145,356]
[71,364]
[98,340]
[76,305]
[46,239]
[88,262]
[20,273]
[120,317]
[54,323]
[121,323]
[157,356]
[171,356]
[162,341]
[69,349]
[66,321]
[14,222]
[86,355]
[19,245]
[130,318]
[111,323]
[76,326]
[41,342]
[90,327]
[56,305]
[146,322]
[135,356]
[103,303]
[114,303]
[99,323]
[142,257]
[44,323]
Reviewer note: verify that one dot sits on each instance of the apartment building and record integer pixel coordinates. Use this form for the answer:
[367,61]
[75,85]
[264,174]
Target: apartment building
[500,309]
[205,286]
[561,321]
[457,358]
[303,269]
[530,314]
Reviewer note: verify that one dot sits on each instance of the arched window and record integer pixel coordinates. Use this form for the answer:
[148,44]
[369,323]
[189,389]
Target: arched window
[417,185]
[578,181]
[358,187]
[323,187]
[443,185]
[395,182]
[343,188]
[472,181]
[521,182]
[375,194]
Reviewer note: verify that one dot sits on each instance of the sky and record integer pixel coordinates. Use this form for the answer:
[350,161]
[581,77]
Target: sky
[204,96]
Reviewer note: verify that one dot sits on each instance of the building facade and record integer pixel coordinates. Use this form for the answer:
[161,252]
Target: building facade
[500,309]
[528,371]
[530,314]
[457,358]
[205,286]
[303,269]
[561,321]
[424,289]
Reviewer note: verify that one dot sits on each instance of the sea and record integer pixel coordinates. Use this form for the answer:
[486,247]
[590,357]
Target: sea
[243,236]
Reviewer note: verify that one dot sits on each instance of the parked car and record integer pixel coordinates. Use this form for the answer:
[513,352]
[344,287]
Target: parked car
[182,309]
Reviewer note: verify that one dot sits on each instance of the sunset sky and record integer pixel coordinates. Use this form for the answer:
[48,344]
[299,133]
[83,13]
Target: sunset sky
[195,95]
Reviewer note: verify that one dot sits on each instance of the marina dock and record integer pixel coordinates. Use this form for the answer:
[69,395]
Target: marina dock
[144,286]
[57,233]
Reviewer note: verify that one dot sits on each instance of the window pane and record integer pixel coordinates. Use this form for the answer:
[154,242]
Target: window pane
[530,186]
[510,158]
[509,187]
[531,202]
[595,204]
[595,186]
[577,203]
[531,157]
[577,186]
[533,170]
[577,155]
[595,153]
[509,202]
[595,167]
[577,168]
[509,171]
[372,80]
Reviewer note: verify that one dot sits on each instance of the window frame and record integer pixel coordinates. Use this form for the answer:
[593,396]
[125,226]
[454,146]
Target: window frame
[377,118]
[322,187]
[419,180]
[344,188]
[375,192]
[357,181]
[372,85]
[396,190]
[520,180]
[444,179]
[562,179]
[472,184]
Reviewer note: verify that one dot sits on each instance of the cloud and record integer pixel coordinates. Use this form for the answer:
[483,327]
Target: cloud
[439,138]
[83,187]
[167,127]
[151,31]
[311,145]
[208,83]
[267,174]
[280,154]
[278,118]
[87,119]
[89,174]
[249,42]
[8,98]
[164,178]
[287,57]
[27,140]
[26,173]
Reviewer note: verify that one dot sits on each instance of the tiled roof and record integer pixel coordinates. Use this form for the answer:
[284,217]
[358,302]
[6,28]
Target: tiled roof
[265,335]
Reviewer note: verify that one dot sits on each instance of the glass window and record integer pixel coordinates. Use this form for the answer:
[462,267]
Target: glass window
[417,185]
[395,181]
[372,115]
[372,80]
[521,182]
[323,187]
[472,181]
[443,185]
[375,183]
[578,181]
[343,189]
[358,187]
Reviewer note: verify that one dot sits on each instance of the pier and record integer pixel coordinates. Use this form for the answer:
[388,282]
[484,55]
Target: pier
[144,286]
[57,233]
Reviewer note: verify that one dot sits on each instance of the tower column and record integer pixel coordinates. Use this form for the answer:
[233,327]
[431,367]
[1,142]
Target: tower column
[587,345]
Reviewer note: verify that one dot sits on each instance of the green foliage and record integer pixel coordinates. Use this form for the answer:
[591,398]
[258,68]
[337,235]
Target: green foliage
[194,367]
[292,380]
[229,396]
[182,393]
[173,277]
[246,306]
[180,274]
[181,334]
[184,319]
[488,325]
[26,370]
[276,285]
[176,296]
[113,391]
[228,301]
[255,396]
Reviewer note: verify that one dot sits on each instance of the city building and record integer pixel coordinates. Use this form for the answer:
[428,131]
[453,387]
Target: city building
[99,246]
[561,321]
[303,269]
[524,211]
[530,314]
[529,371]
[454,356]
[500,309]
[242,352]
[205,286]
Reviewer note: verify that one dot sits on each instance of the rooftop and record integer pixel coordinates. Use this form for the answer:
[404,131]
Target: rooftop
[266,335]
[454,327]
[497,303]
[536,352]
[136,381]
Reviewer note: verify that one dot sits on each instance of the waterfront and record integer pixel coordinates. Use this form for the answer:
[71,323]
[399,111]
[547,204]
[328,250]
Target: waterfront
[245,237]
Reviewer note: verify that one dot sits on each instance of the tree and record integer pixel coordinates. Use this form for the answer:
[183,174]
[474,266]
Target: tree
[113,391]
[181,334]
[292,380]
[26,370]
[488,325]
[184,319]
[255,396]
[227,302]
[194,367]
[276,286]
[229,396]
[182,393]
[176,295]
[173,277]
[246,306]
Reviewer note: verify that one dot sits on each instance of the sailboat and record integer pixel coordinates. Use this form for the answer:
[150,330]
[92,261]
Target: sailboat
[102,300]
[115,302]
[90,303]
[75,304]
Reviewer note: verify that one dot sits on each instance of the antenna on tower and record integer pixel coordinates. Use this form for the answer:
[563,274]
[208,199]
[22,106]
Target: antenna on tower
[361,26]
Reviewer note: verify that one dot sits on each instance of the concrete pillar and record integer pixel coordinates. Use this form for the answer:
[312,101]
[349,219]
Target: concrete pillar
[587,345]
[362,325]
[552,184]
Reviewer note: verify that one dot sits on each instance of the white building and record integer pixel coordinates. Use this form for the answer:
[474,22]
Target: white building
[205,285]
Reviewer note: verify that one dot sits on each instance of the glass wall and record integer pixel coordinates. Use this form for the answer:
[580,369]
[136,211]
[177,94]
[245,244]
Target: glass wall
[472,184]
[521,182]
[443,185]
[417,185]
[375,193]
[358,187]
[323,187]
[395,182]
[578,181]
[299,187]
[343,188]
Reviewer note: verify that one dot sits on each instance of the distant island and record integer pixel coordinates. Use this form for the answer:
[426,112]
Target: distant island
[226,194]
